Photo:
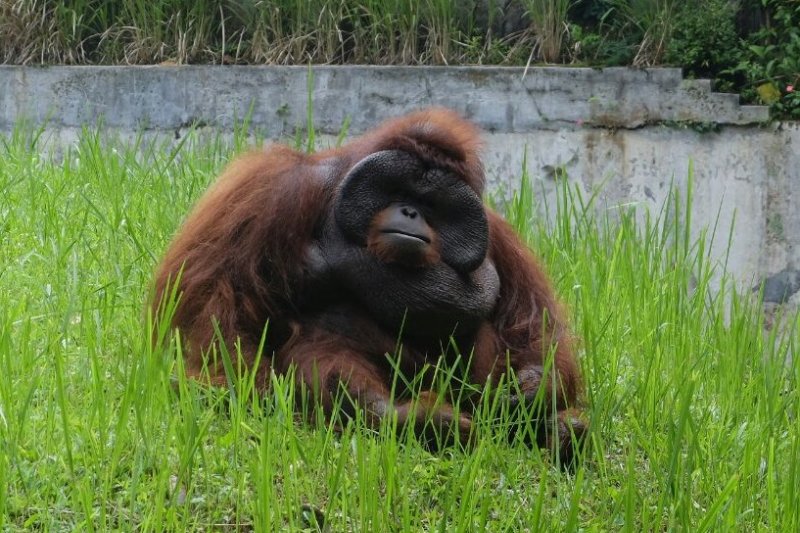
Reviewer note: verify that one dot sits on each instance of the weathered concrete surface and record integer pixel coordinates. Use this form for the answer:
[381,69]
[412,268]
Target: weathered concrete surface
[501,100]
[629,133]
[750,176]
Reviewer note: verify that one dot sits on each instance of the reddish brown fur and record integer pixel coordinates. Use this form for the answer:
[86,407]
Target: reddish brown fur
[240,255]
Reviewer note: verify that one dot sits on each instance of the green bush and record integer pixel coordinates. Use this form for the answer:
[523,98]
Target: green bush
[601,36]
[705,41]
[603,46]
[771,59]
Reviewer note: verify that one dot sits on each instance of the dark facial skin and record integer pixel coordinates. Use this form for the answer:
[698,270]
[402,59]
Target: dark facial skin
[415,263]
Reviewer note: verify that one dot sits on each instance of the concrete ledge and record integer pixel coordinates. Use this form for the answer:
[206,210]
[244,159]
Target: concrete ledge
[500,99]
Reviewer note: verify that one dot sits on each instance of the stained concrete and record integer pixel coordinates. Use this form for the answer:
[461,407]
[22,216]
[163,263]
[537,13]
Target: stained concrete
[500,99]
[745,182]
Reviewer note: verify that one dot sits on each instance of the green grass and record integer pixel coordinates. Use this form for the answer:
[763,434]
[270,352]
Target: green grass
[693,405]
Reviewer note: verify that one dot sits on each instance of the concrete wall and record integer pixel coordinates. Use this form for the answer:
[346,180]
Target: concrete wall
[630,133]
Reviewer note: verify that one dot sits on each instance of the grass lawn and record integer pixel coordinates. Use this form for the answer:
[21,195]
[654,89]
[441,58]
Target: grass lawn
[694,408]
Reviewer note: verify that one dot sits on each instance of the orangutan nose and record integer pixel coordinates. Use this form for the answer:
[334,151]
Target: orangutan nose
[409,212]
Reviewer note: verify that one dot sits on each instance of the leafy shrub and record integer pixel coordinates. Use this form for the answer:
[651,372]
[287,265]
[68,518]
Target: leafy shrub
[771,62]
[603,46]
[705,41]
[625,32]
[600,36]
[654,20]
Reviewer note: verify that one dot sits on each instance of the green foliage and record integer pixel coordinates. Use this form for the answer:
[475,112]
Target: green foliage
[771,63]
[651,22]
[549,23]
[603,47]
[705,40]
[624,32]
